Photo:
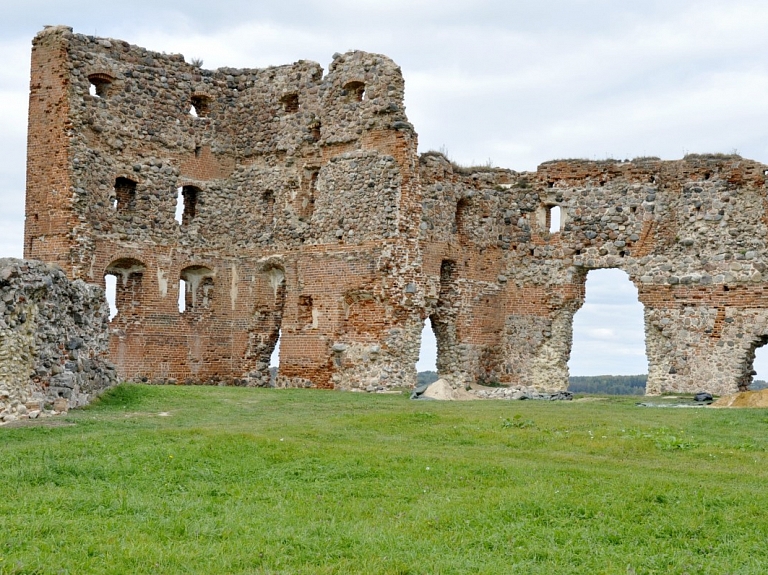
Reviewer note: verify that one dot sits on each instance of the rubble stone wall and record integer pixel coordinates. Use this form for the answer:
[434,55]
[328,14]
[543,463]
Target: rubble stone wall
[53,339]
[690,234]
[292,203]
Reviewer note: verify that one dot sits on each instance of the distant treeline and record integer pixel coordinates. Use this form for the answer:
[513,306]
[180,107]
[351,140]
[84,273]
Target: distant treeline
[599,384]
[608,384]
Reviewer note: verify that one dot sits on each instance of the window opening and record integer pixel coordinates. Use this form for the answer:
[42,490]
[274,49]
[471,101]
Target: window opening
[182,296]
[609,329]
[314,130]
[100,84]
[266,339]
[268,199]
[757,362]
[274,358]
[197,282]
[186,204]
[554,219]
[122,281]
[428,350]
[110,281]
[290,103]
[355,91]
[178,216]
[201,106]
[125,194]
[460,218]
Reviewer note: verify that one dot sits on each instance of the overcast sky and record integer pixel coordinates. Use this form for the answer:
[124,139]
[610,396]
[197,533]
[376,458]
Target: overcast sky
[516,82]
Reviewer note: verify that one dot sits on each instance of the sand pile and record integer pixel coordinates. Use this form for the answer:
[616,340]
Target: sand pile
[442,390]
[744,399]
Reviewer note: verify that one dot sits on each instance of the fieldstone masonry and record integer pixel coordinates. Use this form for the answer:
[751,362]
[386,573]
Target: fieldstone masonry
[288,202]
[53,340]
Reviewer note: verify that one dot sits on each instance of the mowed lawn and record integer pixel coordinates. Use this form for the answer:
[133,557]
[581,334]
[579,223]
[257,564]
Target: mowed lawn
[237,480]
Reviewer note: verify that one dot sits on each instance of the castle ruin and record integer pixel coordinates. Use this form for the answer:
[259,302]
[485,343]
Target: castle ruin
[305,212]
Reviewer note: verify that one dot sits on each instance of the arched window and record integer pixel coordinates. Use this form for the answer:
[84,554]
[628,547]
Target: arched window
[100,84]
[123,279]
[196,285]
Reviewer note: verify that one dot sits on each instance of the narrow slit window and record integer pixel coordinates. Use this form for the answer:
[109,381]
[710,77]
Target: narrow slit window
[186,204]
[268,201]
[110,281]
[182,296]
[554,219]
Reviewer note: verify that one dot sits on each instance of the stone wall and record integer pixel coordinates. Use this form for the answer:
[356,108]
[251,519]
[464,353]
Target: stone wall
[690,234]
[291,202]
[53,340]
[300,210]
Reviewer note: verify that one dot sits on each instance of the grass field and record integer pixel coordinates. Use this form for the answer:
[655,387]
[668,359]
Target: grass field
[299,481]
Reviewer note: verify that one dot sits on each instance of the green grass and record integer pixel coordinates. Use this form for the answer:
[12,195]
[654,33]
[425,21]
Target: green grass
[302,481]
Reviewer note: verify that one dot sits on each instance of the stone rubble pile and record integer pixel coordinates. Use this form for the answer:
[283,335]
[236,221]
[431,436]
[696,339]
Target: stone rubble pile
[519,393]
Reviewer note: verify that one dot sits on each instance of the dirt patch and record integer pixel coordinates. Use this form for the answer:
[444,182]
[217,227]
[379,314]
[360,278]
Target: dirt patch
[744,399]
[39,422]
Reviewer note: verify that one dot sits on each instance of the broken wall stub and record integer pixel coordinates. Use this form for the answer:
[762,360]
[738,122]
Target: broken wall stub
[53,339]
[291,202]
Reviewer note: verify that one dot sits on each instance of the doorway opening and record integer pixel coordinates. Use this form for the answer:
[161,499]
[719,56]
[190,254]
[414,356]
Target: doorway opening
[609,329]
[266,335]
[756,374]
[426,367]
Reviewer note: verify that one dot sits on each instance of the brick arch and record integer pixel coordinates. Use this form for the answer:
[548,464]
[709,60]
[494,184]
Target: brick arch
[129,288]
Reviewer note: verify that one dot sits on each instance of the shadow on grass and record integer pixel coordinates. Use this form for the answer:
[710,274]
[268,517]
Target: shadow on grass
[125,395]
